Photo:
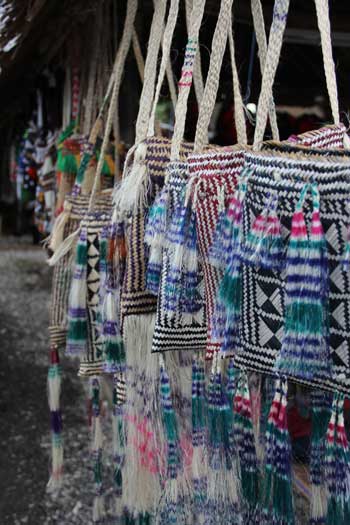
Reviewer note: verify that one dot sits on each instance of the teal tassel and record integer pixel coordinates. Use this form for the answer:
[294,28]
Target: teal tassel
[245,443]
[264,246]
[98,509]
[278,494]
[337,461]
[320,417]
[77,308]
[305,349]
[199,467]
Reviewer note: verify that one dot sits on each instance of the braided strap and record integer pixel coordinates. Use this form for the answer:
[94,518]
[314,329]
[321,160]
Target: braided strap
[118,71]
[324,27]
[185,82]
[278,26]
[150,71]
[167,39]
[260,33]
[240,122]
[212,84]
[197,68]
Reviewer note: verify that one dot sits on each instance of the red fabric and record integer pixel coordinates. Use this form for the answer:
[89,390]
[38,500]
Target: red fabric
[298,426]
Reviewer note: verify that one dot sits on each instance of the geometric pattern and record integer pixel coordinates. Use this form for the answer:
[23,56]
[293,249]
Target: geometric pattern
[92,363]
[262,320]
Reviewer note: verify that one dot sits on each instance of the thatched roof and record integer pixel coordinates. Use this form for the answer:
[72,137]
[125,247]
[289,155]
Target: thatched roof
[32,32]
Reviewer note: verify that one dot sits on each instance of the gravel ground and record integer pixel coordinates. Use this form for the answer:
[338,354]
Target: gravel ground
[25,282]
[25,440]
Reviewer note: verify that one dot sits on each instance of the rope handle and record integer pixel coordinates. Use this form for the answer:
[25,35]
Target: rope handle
[211,86]
[185,82]
[278,26]
[324,26]
[166,45]
[115,82]
[260,33]
[197,68]
[239,113]
[146,99]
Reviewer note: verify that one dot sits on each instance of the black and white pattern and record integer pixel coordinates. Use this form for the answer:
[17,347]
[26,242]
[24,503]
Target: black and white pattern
[169,332]
[92,364]
[263,291]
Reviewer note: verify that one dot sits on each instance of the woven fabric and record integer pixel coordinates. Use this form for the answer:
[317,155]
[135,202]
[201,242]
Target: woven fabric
[62,273]
[135,299]
[216,171]
[95,223]
[263,303]
[170,332]
[328,137]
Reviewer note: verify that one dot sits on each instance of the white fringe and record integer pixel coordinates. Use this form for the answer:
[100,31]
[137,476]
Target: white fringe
[318,502]
[64,247]
[98,512]
[97,434]
[55,482]
[56,237]
[54,391]
[132,193]
[141,488]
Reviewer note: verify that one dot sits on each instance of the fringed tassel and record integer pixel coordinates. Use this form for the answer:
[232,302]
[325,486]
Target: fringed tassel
[56,238]
[230,290]
[175,244]
[245,443]
[135,185]
[337,461]
[278,495]
[155,234]
[173,507]
[98,513]
[191,303]
[199,459]
[321,411]
[114,352]
[268,394]
[305,349]
[222,473]
[263,247]
[220,249]
[118,439]
[54,392]
[77,309]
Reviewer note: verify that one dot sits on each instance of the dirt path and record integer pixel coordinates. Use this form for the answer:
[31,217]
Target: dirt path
[25,282]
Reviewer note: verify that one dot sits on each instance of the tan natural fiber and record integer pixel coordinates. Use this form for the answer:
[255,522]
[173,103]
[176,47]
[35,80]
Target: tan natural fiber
[241,128]
[118,71]
[185,86]
[166,45]
[324,27]
[260,33]
[211,86]
[272,58]
[147,93]
[197,69]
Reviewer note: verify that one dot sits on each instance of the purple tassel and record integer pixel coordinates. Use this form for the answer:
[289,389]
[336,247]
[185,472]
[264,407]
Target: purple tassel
[263,247]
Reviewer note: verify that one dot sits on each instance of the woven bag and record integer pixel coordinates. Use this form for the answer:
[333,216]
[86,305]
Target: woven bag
[181,321]
[277,180]
[135,298]
[216,171]
[92,212]
[150,157]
